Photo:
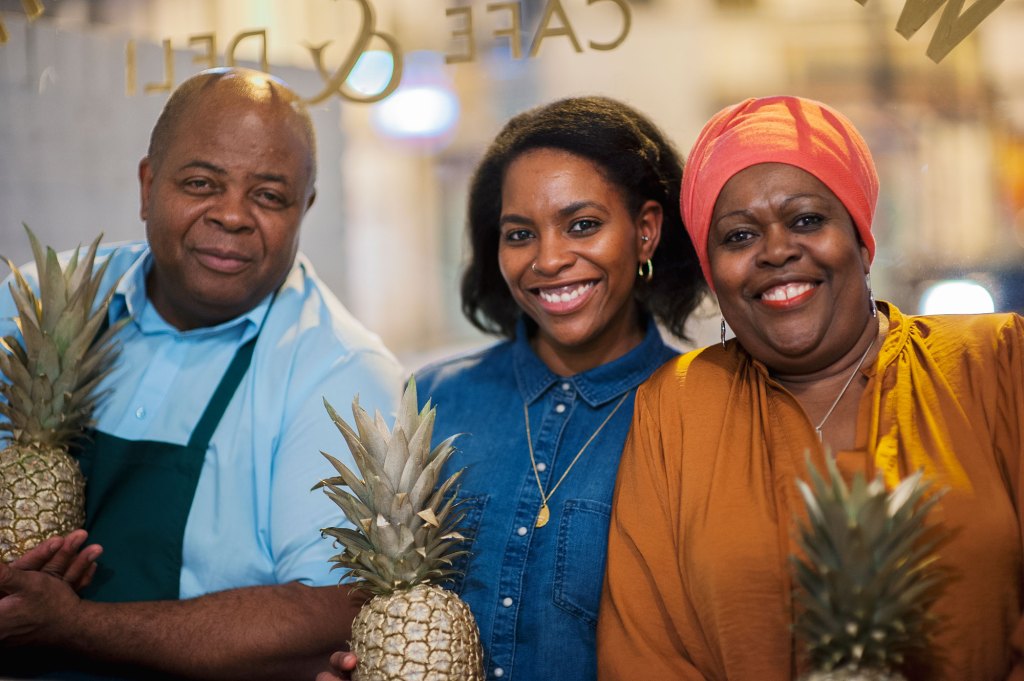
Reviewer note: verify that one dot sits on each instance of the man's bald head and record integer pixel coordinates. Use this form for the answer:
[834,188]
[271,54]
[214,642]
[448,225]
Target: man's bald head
[235,82]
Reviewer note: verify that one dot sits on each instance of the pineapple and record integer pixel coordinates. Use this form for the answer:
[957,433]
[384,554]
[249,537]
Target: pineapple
[49,392]
[402,548]
[869,577]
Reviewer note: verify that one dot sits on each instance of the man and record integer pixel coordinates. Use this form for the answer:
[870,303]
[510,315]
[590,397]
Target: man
[207,445]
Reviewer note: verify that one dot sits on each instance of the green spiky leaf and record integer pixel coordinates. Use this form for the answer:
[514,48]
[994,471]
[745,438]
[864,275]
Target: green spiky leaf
[52,372]
[869,572]
[405,524]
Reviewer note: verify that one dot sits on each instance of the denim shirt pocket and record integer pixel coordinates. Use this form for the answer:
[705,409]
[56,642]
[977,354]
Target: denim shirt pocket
[469,526]
[580,557]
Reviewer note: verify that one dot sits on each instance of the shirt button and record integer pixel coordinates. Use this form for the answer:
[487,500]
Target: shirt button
[506,601]
[559,408]
[566,386]
[522,531]
[498,672]
[541,467]
[140,413]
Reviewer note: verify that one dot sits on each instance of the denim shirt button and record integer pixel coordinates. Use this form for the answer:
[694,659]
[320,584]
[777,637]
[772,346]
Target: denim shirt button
[506,601]
[522,531]
[566,386]
[559,408]
[498,672]
[541,466]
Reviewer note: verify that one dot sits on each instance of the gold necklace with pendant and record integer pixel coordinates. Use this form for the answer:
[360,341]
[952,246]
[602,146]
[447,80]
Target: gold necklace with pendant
[545,514]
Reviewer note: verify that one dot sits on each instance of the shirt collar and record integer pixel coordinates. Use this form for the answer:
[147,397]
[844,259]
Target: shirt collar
[598,385]
[130,300]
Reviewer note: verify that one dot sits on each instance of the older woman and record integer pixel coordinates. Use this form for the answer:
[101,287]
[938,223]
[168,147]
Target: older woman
[778,198]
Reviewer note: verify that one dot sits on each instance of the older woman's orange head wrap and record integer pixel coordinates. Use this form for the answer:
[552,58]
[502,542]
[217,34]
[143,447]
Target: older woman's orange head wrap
[792,130]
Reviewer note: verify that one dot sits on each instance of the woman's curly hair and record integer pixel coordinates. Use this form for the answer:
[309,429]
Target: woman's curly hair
[634,155]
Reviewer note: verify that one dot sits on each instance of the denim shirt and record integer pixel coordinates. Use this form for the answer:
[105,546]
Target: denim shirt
[535,591]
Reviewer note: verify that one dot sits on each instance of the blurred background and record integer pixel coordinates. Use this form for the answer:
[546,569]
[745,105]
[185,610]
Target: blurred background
[82,83]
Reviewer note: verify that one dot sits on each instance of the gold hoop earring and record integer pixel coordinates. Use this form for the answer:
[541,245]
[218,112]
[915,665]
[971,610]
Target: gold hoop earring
[650,271]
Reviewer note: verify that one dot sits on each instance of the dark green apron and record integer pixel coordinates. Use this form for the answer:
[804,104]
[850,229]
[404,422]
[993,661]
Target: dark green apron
[138,495]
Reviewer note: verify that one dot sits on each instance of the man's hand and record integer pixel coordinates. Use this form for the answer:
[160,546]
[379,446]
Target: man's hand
[342,665]
[32,603]
[289,633]
[64,558]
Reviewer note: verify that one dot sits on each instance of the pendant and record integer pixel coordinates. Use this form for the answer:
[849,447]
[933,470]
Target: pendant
[543,516]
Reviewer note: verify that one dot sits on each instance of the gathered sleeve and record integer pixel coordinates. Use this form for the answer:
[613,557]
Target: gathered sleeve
[1010,443]
[644,593]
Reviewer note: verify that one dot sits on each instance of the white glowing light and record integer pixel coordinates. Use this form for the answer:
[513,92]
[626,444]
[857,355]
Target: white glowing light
[372,72]
[417,112]
[957,297]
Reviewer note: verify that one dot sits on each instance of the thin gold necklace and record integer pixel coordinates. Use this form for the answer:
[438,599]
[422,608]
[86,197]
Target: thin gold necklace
[544,514]
[843,391]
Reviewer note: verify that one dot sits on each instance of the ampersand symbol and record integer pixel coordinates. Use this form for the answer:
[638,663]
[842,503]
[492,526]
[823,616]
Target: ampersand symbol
[335,84]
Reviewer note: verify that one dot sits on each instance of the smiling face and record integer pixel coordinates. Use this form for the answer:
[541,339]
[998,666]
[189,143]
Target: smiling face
[223,203]
[569,252]
[788,268]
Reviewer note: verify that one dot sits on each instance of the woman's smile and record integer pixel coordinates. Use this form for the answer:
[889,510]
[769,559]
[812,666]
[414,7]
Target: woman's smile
[568,252]
[789,270]
[565,299]
[789,295]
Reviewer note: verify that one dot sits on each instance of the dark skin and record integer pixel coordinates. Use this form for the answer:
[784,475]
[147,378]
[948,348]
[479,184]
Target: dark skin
[223,201]
[566,228]
[200,638]
[63,557]
[343,663]
[789,272]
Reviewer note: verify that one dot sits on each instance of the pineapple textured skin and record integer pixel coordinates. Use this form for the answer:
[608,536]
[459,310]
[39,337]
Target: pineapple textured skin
[426,633]
[50,389]
[42,494]
[403,540]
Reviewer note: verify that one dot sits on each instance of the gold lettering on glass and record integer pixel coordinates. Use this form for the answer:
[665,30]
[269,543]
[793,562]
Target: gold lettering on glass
[544,30]
[627,23]
[515,28]
[954,24]
[229,53]
[168,84]
[466,31]
[131,75]
[335,83]
[208,57]
[33,10]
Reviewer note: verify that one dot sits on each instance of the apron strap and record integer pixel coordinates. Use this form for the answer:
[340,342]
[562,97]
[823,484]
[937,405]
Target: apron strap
[218,404]
[222,396]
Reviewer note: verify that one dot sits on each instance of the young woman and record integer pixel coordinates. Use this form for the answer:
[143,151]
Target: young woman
[577,247]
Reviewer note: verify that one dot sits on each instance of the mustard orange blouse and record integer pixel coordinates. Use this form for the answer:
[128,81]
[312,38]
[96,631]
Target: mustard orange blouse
[698,584]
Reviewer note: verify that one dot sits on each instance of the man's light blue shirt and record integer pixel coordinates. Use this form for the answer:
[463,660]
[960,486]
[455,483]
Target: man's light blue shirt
[535,591]
[254,519]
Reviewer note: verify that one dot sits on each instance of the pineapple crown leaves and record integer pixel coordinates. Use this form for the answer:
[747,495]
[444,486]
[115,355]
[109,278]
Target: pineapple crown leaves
[405,524]
[53,371]
[870,574]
